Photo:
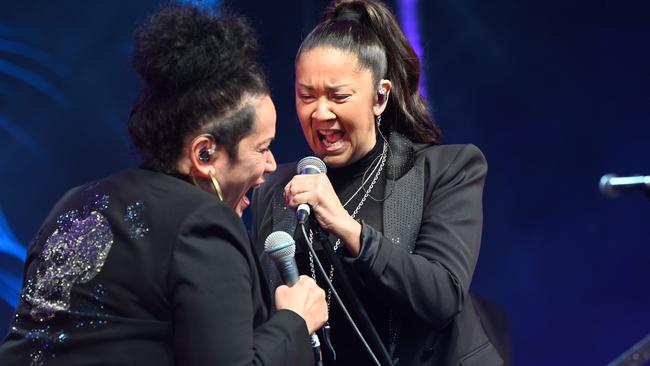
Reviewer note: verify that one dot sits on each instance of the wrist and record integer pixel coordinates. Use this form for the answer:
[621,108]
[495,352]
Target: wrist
[352,237]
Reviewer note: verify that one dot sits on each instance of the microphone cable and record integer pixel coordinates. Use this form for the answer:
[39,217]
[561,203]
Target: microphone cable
[336,295]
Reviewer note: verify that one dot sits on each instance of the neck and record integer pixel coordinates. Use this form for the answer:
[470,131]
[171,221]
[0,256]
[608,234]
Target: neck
[358,167]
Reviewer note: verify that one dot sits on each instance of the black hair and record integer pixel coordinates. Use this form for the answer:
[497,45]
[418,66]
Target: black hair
[369,30]
[200,74]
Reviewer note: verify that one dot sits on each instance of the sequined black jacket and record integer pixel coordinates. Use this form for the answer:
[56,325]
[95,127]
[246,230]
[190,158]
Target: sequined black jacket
[142,268]
[423,262]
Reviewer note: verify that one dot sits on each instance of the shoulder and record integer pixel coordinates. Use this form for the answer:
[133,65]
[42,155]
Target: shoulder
[169,195]
[451,166]
[212,233]
[214,218]
[452,158]
[450,153]
[160,201]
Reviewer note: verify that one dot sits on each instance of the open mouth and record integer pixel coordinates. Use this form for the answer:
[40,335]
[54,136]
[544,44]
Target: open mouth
[331,139]
[258,183]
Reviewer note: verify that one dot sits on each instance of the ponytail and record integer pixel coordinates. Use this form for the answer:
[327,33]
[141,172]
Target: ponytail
[368,29]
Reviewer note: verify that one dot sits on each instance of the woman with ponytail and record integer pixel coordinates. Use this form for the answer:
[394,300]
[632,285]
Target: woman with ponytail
[403,211]
[153,265]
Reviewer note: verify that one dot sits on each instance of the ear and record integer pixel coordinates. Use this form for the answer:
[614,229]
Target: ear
[383,91]
[205,155]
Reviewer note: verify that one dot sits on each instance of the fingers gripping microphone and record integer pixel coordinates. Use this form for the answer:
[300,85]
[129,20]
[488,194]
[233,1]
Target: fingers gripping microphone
[281,247]
[308,165]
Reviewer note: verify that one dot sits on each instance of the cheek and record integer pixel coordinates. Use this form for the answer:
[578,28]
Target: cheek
[356,122]
[305,123]
[302,113]
[259,168]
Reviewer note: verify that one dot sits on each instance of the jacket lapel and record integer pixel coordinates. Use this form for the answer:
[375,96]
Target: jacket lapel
[404,194]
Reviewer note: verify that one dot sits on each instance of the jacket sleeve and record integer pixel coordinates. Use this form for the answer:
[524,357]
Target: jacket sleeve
[211,280]
[433,281]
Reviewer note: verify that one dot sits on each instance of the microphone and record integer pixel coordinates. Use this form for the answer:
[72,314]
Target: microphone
[611,184]
[308,165]
[281,247]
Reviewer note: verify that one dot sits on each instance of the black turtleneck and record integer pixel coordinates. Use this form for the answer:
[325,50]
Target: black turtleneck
[346,181]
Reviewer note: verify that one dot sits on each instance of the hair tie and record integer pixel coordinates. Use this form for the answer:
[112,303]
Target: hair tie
[348,15]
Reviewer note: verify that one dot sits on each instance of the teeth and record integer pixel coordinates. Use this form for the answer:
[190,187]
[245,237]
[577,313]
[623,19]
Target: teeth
[335,144]
[325,135]
[328,132]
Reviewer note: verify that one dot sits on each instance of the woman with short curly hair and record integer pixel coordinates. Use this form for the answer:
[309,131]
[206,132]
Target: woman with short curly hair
[153,266]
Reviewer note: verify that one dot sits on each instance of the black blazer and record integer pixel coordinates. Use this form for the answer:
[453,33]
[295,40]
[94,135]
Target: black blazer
[143,268]
[423,262]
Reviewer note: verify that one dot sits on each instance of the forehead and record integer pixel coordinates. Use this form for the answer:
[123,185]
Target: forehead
[264,117]
[331,64]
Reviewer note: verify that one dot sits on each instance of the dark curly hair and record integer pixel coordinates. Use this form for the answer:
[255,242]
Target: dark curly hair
[200,73]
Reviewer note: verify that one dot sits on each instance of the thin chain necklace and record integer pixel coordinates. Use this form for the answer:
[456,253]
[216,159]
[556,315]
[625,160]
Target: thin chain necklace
[365,179]
[378,168]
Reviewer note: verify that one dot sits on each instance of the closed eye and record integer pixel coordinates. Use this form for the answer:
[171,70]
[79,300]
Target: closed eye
[264,149]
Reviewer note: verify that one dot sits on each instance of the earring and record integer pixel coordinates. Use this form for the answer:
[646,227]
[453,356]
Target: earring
[213,179]
[381,95]
[378,122]
[216,185]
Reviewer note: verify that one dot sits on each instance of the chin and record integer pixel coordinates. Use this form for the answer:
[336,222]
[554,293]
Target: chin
[335,161]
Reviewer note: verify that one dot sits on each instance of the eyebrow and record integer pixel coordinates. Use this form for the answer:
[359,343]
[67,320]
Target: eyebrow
[328,87]
[269,140]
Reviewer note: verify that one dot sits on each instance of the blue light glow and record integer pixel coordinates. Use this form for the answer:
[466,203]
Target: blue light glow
[33,80]
[19,135]
[408,14]
[32,54]
[209,5]
[10,283]
[8,242]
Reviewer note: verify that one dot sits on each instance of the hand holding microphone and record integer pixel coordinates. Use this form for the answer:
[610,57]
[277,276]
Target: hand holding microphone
[311,193]
[306,299]
[307,166]
[301,293]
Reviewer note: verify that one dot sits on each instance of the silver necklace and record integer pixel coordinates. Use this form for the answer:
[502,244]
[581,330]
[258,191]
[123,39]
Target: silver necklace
[365,179]
[378,168]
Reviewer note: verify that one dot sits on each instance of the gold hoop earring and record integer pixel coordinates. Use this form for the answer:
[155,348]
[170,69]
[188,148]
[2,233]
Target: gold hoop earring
[216,185]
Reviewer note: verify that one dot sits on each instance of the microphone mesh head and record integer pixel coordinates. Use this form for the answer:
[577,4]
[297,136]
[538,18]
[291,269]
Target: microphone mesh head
[313,162]
[606,187]
[279,245]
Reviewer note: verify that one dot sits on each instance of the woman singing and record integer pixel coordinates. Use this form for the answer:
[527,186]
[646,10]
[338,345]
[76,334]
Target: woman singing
[403,211]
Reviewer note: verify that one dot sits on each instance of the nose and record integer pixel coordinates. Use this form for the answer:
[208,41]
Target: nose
[323,111]
[270,163]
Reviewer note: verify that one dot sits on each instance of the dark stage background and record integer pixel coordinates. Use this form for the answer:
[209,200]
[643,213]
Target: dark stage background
[555,93]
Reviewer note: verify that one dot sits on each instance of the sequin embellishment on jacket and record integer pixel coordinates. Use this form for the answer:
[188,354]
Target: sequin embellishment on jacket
[73,254]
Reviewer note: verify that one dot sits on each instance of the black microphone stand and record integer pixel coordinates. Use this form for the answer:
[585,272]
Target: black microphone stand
[322,237]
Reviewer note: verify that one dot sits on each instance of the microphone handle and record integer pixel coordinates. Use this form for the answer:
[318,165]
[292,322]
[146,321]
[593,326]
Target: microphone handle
[315,347]
[289,271]
[303,211]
